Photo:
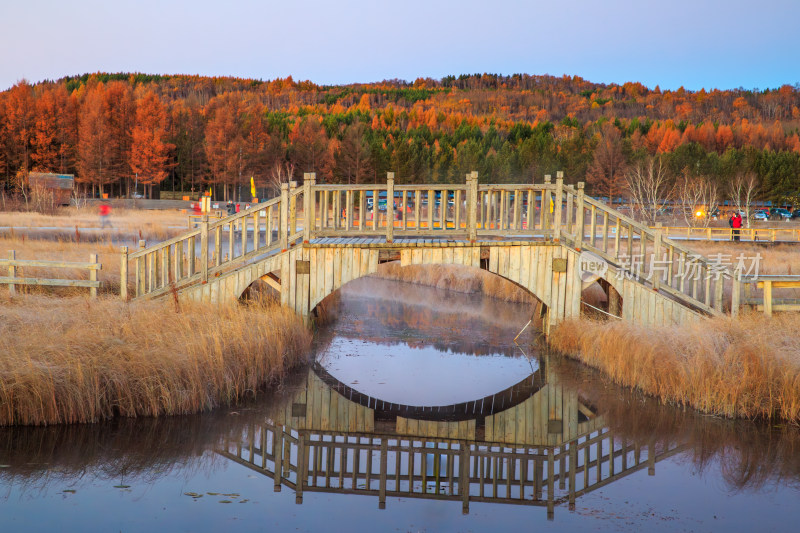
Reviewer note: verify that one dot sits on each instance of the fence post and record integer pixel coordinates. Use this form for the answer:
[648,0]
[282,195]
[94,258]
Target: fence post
[656,254]
[204,247]
[123,275]
[736,294]
[579,218]
[284,222]
[292,208]
[12,273]
[309,207]
[547,202]
[93,275]
[389,206]
[140,269]
[557,207]
[472,207]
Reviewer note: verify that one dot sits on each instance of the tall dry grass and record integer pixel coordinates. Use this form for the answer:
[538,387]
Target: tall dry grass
[79,360]
[747,367]
[456,278]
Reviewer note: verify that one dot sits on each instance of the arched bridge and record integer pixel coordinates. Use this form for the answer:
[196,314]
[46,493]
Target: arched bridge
[313,239]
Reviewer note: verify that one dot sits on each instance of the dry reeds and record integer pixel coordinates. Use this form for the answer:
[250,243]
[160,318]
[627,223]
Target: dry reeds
[747,367]
[456,278]
[81,360]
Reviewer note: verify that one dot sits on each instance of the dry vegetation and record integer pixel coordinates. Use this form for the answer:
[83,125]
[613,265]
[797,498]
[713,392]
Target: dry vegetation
[80,360]
[747,367]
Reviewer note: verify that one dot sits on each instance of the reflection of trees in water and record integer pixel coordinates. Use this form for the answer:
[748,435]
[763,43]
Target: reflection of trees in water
[390,313]
[750,455]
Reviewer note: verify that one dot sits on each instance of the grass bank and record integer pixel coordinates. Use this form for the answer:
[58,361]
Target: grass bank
[739,368]
[78,360]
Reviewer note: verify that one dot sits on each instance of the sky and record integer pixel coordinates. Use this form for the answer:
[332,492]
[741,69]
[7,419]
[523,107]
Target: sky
[690,43]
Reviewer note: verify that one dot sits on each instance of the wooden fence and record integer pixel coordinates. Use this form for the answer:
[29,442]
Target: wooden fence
[787,234]
[12,280]
[757,292]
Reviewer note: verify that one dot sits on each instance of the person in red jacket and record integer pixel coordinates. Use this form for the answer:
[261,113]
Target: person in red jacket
[736,225]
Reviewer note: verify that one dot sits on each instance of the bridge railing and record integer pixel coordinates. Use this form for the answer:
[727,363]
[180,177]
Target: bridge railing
[641,253]
[214,247]
[551,211]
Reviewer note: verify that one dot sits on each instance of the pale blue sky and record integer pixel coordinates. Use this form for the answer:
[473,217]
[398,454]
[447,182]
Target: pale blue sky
[695,43]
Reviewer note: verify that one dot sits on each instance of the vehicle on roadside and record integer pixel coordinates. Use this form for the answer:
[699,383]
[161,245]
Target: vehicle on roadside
[779,213]
[760,214]
[796,213]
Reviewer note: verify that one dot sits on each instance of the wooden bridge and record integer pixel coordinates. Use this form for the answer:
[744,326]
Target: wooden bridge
[546,450]
[313,239]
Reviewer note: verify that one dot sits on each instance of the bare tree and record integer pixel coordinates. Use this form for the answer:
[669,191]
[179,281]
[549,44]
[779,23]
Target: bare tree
[281,172]
[649,187]
[743,189]
[699,197]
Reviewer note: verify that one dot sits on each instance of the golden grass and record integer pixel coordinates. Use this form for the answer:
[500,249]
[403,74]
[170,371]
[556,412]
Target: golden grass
[81,360]
[747,367]
[88,217]
[456,278]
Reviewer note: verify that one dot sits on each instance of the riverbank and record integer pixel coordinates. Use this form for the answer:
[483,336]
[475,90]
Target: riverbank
[748,367]
[76,360]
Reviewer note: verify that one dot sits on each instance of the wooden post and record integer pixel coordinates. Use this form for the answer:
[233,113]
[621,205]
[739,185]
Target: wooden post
[718,288]
[768,297]
[383,473]
[579,217]
[557,207]
[309,209]
[389,207]
[204,248]
[12,273]
[292,208]
[93,275]
[472,207]
[284,221]
[123,274]
[736,294]
[546,201]
[140,269]
[656,256]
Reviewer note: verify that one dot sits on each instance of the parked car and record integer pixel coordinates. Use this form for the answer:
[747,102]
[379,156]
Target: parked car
[779,213]
[760,214]
[796,213]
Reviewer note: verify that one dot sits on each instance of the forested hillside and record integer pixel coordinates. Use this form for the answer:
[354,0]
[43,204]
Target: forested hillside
[192,133]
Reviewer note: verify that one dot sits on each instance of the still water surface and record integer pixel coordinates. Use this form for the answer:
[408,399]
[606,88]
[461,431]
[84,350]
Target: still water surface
[414,394]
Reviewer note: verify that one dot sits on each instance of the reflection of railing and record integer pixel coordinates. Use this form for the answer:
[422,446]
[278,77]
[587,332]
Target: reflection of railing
[441,469]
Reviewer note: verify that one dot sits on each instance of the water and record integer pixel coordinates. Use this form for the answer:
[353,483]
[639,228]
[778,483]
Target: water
[412,378]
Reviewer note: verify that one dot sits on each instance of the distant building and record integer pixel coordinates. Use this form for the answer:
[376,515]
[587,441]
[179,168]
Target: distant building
[60,185]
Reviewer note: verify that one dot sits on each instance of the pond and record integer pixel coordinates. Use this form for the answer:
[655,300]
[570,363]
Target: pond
[418,413]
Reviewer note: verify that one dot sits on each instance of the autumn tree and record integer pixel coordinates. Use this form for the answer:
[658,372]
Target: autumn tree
[95,141]
[352,158]
[606,173]
[308,150]
[225,144]
[17,130]
[187,133]
[149,151]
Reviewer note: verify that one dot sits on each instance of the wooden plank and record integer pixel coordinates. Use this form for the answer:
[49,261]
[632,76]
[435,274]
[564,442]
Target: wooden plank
[329,271]
[337,268]
[494,259]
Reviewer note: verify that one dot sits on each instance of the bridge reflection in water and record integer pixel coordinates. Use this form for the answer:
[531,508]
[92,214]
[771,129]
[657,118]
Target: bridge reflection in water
[537,443]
